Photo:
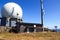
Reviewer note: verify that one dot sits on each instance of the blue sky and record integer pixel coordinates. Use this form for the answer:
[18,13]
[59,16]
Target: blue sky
[32,13]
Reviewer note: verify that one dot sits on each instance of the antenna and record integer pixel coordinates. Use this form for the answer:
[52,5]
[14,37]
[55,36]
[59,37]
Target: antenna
[42,13]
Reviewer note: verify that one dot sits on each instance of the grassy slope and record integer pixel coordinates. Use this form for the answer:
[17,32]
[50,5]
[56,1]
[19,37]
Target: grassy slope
[30,36]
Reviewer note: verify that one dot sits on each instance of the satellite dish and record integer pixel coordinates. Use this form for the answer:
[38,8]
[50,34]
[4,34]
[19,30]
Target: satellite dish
[11,9]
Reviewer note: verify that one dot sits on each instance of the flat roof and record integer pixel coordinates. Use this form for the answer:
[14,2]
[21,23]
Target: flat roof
[30,24]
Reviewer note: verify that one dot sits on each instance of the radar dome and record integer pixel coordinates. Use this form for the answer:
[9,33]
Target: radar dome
[11,10]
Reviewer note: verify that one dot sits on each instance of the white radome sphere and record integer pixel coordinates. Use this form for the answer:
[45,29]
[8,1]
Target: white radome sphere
[11,10]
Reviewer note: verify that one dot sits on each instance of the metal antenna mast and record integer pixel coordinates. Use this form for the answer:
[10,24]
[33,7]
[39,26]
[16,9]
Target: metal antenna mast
[42,13]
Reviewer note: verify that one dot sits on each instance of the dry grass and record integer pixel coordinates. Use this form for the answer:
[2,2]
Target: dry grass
[30,36]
